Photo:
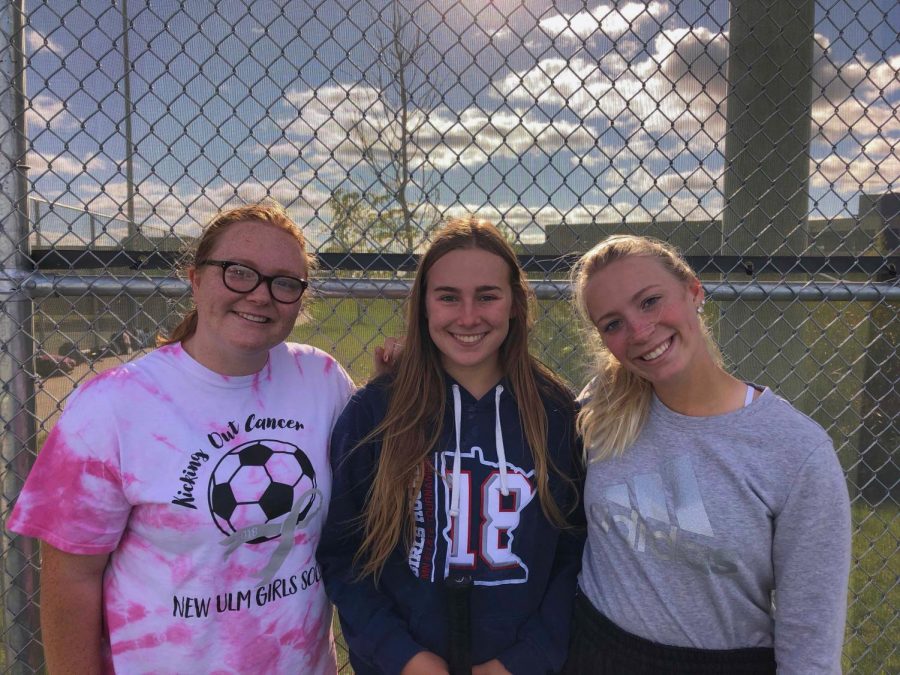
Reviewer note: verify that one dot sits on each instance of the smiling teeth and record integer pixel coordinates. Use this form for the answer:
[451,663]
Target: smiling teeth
[659,351]
[252,317]
[469,339]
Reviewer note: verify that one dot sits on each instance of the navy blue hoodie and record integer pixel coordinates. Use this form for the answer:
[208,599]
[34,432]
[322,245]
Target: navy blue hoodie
[523,567]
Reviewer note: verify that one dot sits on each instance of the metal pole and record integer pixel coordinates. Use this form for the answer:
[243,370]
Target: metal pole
[132,308]
[39,285]
[20,554]
[766,180]
[129,147]
[879,428]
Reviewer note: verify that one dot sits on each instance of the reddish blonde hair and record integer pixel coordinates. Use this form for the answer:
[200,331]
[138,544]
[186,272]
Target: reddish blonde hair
[265,213]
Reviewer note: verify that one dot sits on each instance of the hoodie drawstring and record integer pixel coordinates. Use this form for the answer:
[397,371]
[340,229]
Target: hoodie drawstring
[498,436]
[457,461]
[457,470]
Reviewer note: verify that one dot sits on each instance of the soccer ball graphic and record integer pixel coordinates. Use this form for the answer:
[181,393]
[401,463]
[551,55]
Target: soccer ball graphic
[257,483]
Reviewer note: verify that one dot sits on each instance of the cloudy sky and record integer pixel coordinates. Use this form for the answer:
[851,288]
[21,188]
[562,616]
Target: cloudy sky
[535,112]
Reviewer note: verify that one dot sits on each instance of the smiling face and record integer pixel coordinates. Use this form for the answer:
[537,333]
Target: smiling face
[647,318]
[468,306]
[235,331]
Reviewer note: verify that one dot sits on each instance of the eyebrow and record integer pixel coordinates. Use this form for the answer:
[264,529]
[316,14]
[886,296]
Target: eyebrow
[453,289]
[279,272]
[634,297]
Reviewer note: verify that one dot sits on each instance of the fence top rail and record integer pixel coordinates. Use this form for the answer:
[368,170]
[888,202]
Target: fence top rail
[38,285]
[94,258]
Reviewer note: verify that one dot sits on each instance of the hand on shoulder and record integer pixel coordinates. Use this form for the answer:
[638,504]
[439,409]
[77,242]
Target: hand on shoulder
[386,356]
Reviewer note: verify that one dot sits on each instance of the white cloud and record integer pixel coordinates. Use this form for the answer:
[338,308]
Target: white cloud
[848,175]
[575,83]
[64,165]
[337,124]
[35,42]
[609,20]
[850,95]
[677,96]
[48,112]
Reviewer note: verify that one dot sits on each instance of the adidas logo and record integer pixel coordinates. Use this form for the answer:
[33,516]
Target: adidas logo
[665,518]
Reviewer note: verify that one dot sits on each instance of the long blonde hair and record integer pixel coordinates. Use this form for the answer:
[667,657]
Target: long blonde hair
[269,213]
[618,401]
[416,400]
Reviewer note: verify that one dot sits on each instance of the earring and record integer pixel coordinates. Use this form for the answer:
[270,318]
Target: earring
[700,307]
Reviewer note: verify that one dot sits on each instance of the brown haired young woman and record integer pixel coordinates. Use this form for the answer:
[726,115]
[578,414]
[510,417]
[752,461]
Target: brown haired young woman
[460,463]
[179,497]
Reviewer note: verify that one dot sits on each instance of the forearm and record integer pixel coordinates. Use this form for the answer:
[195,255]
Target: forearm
[71,611]
[811,557]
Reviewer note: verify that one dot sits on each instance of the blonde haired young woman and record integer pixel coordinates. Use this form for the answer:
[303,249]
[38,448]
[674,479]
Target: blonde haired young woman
[459,465]
[718,516]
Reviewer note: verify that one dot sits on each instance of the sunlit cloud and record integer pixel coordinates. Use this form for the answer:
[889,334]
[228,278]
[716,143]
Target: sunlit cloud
[50,113]
[675,99]
[63,165]
[341,127]
[35,42]
[608,20]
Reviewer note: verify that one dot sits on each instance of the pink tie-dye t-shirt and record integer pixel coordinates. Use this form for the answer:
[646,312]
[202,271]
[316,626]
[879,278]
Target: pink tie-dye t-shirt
[210,493]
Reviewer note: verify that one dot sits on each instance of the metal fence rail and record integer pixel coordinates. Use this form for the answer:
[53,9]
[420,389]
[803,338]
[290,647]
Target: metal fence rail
[759,136]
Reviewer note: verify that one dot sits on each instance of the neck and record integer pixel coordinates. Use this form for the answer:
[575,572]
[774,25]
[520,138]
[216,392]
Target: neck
[229,365]
[706,391]
[478,381]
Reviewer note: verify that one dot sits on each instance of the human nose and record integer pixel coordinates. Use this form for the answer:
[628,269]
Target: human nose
[641,327]
[262,294]
[468,315]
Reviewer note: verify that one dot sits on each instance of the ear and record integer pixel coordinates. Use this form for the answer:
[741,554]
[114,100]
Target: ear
[192,277]
[698,295]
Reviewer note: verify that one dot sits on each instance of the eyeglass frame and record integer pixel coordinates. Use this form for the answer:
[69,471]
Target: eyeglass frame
[261,278]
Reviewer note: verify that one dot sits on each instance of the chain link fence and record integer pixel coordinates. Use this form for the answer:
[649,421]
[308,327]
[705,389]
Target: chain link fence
[760,136]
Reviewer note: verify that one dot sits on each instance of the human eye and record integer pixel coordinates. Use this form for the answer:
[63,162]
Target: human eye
[240,278]
[241,273]
[609,326]
[488,297]
[652,301]
[447,297]
[287,283]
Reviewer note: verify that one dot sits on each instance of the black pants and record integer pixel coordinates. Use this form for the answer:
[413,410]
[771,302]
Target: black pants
[600,647]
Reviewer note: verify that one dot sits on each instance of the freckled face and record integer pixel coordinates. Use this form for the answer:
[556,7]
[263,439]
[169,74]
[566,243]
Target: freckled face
[468,303]
[647,318]
[235,331]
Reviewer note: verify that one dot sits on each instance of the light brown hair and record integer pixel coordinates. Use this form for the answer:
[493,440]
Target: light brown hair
[413,424]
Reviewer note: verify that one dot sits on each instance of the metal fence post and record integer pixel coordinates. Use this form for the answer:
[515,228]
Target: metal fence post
[20,575]
[878,476]
[766,177]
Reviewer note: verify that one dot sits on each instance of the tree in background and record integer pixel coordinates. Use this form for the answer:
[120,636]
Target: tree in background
[360,222]
[391,125]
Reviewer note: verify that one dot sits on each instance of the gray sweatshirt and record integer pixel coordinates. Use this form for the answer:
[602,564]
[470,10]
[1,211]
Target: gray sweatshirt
[724,532]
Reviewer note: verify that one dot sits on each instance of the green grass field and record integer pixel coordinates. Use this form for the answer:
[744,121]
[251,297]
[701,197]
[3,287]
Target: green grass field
[350,329]
[873,618]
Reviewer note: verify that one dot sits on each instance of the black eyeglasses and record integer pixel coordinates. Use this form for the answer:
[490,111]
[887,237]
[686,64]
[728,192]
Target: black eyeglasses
[242,278]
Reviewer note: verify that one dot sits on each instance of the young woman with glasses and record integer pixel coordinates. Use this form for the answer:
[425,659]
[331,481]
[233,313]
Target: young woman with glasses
[179,498]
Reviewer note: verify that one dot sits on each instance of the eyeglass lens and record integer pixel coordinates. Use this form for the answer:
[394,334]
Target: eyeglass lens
[243,279]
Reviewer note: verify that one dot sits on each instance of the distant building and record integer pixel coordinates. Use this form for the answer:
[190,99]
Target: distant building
[869,232]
